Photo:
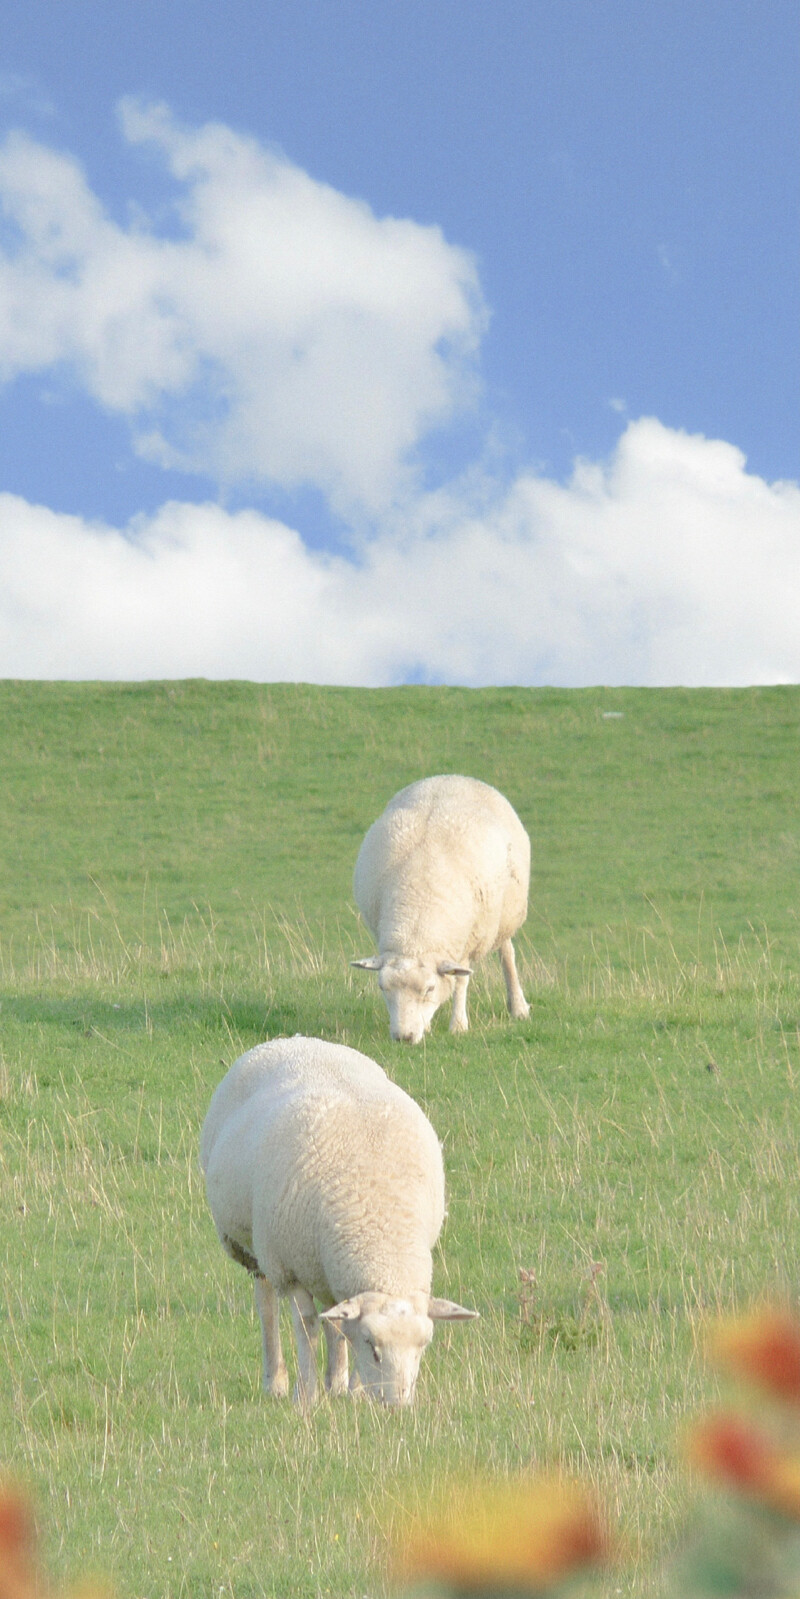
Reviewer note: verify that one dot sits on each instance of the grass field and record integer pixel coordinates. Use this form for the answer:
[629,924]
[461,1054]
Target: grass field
[176,869]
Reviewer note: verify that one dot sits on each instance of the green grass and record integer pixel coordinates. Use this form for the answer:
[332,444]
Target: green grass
[175,886]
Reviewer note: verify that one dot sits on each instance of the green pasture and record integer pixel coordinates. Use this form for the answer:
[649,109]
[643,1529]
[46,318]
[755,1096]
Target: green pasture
[175,885]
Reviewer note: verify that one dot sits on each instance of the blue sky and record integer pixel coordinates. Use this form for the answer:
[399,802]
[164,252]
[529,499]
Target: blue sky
[434,340]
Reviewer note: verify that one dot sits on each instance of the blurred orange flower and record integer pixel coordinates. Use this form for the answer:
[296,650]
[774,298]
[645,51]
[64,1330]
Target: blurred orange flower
[763,1347]
[733,1453]
[523,1537]
[18,1574]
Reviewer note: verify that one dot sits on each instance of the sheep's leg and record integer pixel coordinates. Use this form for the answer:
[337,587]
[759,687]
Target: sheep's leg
[336,1365]
[276,1377]
[306,1332]
[458,1015]
[517,1002]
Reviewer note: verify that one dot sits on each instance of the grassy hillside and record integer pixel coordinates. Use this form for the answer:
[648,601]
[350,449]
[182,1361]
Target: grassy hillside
[175,886]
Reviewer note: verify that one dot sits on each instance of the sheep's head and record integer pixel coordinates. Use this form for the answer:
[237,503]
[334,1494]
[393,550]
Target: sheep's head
[388,1337]
[413,991]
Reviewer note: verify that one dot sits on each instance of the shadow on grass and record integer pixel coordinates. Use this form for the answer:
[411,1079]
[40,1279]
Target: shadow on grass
[249,1017]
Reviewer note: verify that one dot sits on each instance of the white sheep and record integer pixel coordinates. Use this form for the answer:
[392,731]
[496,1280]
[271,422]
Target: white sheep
[326,1181]
[441,880]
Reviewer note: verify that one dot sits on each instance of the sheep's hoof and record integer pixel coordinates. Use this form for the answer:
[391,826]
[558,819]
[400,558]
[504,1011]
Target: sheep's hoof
[278,1386]
[459,1024]
[302,1397]
[336,1388]
[519,1010]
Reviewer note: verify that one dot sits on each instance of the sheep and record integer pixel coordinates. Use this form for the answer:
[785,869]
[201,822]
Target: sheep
[441,879]
[325,1180]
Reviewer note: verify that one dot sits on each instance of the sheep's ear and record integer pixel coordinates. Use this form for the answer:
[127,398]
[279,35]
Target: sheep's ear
[346,1310]
[449,969]
[445,1310]
[370,963]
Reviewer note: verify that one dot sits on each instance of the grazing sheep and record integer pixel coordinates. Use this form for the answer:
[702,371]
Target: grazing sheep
[326,1181]
[441,879]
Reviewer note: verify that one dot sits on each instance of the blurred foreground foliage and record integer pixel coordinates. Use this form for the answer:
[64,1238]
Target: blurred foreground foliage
[538,1539]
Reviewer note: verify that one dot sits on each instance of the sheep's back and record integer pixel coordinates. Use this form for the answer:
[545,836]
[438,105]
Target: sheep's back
[349,1195]
[323,1169]
[447,863]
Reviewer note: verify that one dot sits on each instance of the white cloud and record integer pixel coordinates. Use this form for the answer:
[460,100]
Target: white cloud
[191,591]
[668,564]
[279,331]
[282,332]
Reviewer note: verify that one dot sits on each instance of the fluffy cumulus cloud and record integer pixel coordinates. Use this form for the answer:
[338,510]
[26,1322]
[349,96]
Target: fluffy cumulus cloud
[271,329]
[280,331]
[667,564]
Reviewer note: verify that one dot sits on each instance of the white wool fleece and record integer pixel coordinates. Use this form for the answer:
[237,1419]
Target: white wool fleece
[441,880]
[323,1171]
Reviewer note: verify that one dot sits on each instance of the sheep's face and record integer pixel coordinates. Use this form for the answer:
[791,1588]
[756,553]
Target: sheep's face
[413,991]
[388,1338]
[388,1343]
